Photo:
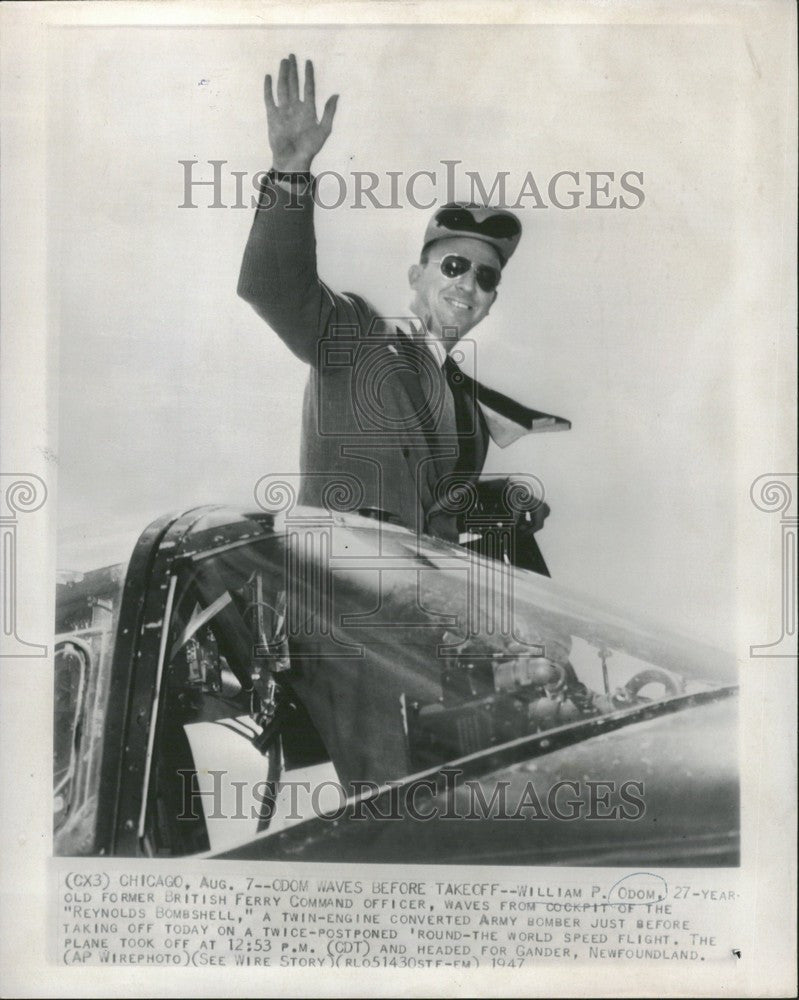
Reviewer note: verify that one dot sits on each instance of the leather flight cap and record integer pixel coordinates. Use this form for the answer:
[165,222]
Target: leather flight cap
[495,226]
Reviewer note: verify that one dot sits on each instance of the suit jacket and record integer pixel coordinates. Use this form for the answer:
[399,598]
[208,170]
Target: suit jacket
[378,425]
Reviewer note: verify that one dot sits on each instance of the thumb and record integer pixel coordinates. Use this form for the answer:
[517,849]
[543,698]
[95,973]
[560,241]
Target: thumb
[327,115]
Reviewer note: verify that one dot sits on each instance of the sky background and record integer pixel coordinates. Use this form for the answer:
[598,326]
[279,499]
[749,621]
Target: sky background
[172,392]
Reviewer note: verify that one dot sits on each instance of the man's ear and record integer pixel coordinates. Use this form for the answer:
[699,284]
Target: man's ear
[414,273]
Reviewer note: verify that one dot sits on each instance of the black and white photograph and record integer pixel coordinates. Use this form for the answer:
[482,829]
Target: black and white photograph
[398,438]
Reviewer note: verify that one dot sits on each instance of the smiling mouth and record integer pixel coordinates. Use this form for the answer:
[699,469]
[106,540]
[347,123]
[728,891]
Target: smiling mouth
[457,304]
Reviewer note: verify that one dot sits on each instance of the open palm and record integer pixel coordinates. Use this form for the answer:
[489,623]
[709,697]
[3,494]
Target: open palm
[295,134]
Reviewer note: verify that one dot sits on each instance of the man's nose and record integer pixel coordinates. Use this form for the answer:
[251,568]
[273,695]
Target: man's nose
[466,280]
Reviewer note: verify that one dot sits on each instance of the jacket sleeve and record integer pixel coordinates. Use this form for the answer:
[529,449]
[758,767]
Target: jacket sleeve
[279,277]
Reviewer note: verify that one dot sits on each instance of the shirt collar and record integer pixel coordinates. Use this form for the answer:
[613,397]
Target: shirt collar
[419,331]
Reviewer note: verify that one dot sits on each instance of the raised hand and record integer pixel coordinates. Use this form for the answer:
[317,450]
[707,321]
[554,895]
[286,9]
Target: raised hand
[295,135]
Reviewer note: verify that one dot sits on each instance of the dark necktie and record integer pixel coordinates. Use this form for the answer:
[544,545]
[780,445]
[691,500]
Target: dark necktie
[468,419]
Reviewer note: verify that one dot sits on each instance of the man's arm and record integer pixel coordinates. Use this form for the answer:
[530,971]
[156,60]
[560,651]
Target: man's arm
[278,274]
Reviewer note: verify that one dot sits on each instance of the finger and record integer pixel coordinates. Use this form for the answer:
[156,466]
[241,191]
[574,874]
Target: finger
[283,83]
[327,115]
[294,80]
[268,99]
[309,96]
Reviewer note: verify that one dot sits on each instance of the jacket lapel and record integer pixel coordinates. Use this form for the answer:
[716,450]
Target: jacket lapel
[426,387]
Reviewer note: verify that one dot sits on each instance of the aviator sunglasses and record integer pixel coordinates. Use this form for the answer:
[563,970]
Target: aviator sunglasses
[453,265]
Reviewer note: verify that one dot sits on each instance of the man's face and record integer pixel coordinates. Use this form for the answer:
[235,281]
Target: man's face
[450,307]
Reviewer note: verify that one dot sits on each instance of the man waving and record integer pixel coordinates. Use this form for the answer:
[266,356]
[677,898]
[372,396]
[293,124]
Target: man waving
[386,410]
